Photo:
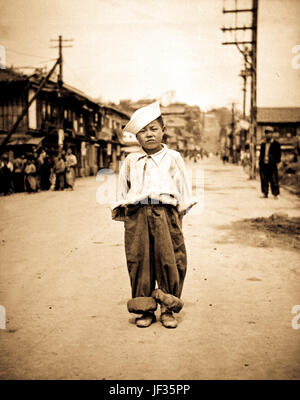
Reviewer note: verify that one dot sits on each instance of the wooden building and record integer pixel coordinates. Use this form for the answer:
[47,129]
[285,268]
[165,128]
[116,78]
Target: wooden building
[110,137]
[286,124]
[58,119]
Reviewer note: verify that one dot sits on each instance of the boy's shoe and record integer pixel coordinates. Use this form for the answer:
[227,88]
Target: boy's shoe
[145,320]
[172,303]
[168,319]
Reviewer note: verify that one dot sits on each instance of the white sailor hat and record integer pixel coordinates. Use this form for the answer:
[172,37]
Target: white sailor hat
[142,117]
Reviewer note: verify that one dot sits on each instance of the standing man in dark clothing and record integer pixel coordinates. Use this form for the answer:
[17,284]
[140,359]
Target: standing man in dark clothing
[270,155]
[5,175]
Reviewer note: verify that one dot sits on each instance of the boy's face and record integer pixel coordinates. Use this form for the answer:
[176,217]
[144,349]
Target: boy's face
[150,136]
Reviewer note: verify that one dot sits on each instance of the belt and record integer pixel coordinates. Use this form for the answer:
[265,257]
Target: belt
[150,201]
[147,201]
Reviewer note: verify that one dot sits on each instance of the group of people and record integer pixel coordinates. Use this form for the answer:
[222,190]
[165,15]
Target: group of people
[32,172]
[64,171]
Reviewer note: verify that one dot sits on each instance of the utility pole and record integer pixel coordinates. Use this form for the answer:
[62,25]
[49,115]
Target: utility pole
[244,74]
[250,59]
[254,88]
[60,46]
[232,136]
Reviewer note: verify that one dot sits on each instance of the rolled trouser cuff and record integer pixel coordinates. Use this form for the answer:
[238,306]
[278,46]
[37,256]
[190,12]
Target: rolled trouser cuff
[172,303]
[140,305]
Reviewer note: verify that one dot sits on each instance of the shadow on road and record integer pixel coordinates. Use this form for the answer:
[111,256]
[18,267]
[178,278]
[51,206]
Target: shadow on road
[274,231]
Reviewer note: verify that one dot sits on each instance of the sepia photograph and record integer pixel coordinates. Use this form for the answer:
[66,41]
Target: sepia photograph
[149,193]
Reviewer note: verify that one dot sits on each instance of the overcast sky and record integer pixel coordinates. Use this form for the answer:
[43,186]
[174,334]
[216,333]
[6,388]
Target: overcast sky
[143,48]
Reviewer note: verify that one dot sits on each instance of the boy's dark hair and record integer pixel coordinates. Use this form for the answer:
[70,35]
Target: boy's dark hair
[161,122]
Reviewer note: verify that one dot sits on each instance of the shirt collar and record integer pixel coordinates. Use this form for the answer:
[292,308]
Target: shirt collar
[156,157]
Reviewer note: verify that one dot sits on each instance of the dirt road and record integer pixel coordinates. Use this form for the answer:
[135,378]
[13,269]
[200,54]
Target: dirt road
[64,285]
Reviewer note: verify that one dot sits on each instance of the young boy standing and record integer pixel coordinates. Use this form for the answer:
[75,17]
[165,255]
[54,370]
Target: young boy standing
[154,194]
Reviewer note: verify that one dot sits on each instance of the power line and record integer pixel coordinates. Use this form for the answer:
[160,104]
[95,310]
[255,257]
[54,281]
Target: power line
[27,54]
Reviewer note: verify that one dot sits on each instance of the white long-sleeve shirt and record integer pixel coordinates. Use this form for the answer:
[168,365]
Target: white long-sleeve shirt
[161,177]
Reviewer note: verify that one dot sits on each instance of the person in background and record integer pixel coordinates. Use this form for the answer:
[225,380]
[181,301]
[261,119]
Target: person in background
[60,172]
[71,162]
[18,175]
[297,143]
[44,168]
[6,171]
[24,162]
[269,157]
[35,159]
[30,176]
[53,160]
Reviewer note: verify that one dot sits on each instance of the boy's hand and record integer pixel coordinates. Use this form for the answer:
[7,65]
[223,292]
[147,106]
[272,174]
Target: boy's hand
[118,213]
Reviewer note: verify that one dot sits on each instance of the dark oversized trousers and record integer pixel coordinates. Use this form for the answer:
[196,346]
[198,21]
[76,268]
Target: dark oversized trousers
[155,249]
[269,175]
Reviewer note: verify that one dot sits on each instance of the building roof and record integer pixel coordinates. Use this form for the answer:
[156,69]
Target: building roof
[172,110]
[9,75]
[121,113]
[21,139]
[78,92]
[174,121]
[278,114]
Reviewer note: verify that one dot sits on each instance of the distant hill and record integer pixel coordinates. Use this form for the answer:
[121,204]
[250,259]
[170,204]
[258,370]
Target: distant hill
[210,132]
[223,116]
[214,121]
